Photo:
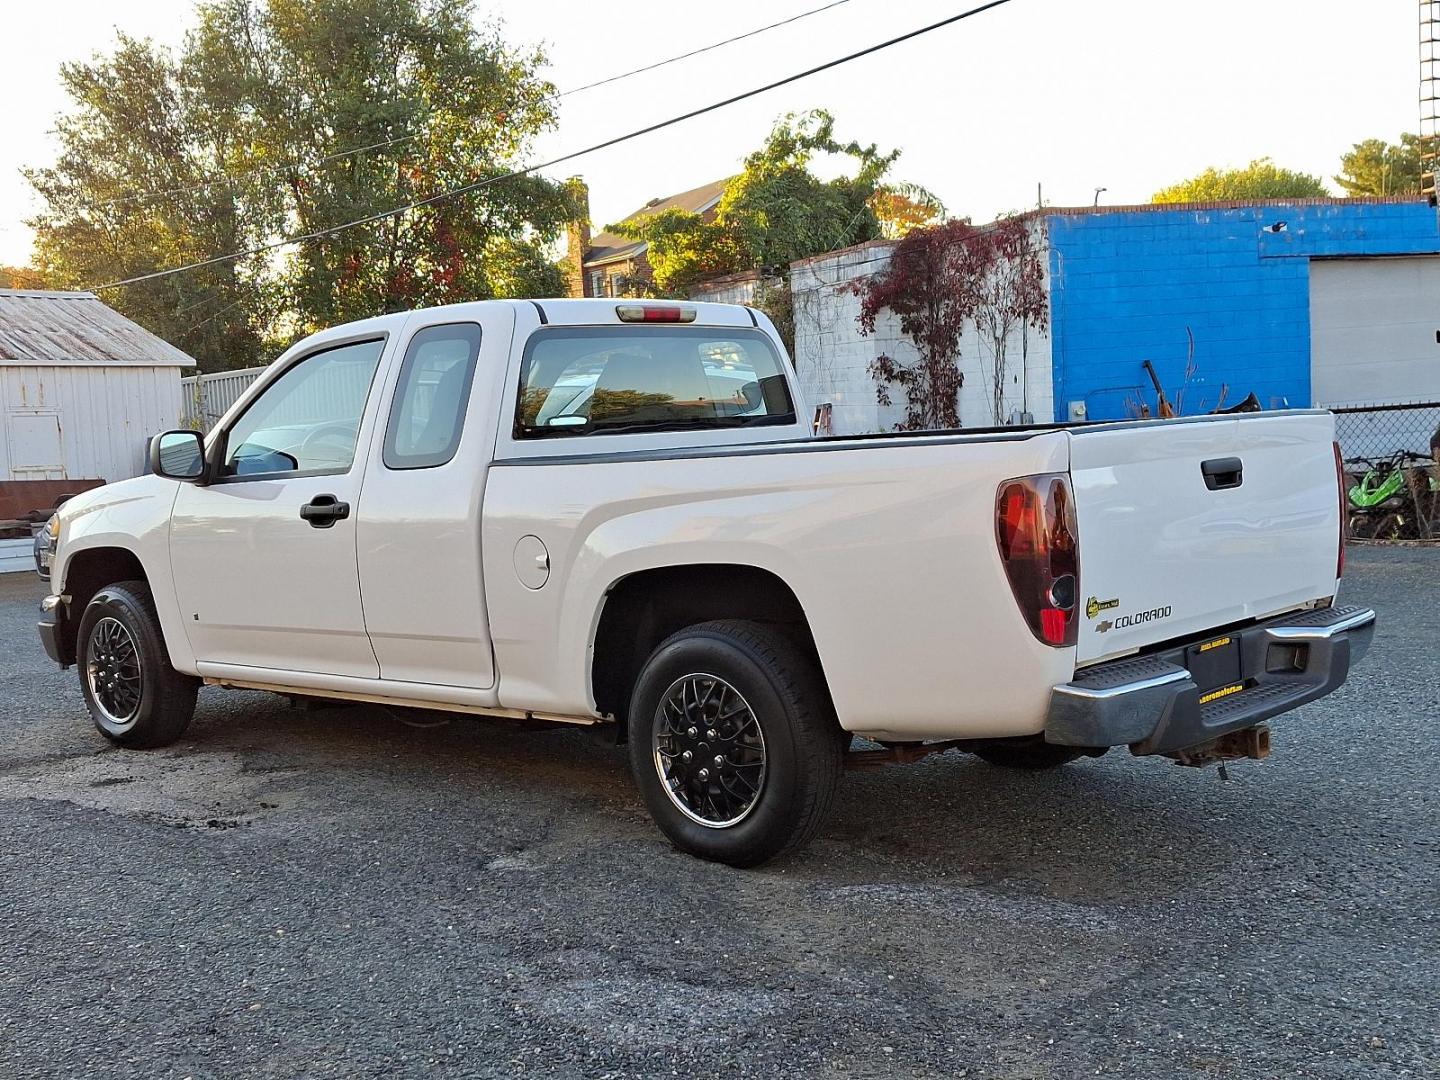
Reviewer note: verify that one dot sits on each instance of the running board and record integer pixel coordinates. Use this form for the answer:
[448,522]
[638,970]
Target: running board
[400,702]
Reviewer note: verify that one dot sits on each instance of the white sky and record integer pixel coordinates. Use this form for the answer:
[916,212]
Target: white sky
[1129,95]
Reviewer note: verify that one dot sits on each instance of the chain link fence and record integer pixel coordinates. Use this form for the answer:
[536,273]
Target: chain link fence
[1391,469]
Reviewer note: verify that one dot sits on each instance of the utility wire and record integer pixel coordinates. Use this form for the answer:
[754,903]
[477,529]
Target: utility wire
[145,196]
[705,48]
[478,184]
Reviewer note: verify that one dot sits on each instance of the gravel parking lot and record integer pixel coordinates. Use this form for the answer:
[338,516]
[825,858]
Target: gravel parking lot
[335,893]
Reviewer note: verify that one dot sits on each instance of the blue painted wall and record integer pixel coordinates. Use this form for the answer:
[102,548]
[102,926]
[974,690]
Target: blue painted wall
[1125,284]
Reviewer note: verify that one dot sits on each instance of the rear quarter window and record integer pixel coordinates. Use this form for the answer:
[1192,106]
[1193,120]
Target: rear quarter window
[427,414]
[598,380]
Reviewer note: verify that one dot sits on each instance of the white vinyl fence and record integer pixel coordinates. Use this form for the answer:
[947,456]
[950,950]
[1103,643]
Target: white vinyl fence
[206,397]
[17,556]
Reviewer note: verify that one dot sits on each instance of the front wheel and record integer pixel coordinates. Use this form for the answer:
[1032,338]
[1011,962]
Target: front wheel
[733,743]
[134,696]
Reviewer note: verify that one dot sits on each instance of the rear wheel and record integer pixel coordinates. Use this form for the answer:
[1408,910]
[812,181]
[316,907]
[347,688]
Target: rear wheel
[134,696]
[733,743]
[1029,756]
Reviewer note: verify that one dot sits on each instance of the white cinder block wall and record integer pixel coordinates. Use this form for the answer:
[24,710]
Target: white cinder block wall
[833,358]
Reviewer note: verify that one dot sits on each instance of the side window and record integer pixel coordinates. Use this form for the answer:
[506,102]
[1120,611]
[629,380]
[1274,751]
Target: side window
[428,412]
[599,380]
[308,419]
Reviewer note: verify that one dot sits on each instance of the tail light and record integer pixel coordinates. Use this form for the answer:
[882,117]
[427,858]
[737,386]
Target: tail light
[1340,486]
[655,312]
[1039,548]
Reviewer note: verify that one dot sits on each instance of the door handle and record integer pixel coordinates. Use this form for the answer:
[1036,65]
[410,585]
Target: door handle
[1223,472]
[324,510]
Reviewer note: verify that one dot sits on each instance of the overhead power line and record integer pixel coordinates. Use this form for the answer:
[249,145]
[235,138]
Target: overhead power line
[705,48]
[145,196]
[464,189]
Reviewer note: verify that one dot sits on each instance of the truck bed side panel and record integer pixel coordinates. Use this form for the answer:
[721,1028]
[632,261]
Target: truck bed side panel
[889,549]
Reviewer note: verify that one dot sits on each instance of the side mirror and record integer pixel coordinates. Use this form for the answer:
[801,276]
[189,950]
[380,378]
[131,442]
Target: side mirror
[178,455]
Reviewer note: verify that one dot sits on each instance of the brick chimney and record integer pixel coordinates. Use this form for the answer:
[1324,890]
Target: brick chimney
[577,235]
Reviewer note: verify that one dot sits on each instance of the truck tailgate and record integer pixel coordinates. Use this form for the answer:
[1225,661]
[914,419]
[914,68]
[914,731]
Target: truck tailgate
[1166,552]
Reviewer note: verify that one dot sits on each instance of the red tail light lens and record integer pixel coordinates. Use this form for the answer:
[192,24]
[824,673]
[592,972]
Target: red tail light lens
[1039,548]
[1340,484]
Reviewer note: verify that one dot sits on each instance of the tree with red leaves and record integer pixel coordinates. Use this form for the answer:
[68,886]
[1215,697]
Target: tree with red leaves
[1011,296]
[930,283]
[938,279]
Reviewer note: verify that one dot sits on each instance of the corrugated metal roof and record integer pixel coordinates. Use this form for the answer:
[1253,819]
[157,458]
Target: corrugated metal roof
[76,328]
[608,246]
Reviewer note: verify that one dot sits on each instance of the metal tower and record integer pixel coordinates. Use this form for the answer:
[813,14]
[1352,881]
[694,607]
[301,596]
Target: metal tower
[1429,96]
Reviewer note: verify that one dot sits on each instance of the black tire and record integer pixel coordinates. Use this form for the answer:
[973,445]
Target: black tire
[134,659]
[1031,757]
[801,745]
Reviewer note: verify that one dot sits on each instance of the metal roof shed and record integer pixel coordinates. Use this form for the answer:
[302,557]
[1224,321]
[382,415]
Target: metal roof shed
[82,389]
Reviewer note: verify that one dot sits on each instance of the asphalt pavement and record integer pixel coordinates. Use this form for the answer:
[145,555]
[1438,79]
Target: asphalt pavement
[336,893]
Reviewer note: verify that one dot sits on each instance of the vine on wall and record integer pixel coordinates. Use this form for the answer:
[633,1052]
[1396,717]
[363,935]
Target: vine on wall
[940,278]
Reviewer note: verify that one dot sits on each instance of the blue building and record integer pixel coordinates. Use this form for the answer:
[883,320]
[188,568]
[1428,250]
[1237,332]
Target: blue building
[1314,301]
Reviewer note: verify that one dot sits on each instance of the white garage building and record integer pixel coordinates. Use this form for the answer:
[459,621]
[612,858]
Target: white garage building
[82,389]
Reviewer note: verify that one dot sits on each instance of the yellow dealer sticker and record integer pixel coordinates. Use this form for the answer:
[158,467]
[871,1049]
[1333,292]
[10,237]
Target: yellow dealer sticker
[1217,643]
[1224,691]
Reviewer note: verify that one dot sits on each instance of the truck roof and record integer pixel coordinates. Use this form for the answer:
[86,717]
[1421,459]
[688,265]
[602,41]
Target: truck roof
[560,311]
[602,310]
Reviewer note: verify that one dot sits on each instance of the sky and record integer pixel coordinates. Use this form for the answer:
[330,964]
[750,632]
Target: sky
[1125,95]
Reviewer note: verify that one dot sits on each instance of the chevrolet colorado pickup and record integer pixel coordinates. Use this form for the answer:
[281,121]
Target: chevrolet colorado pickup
[619,513]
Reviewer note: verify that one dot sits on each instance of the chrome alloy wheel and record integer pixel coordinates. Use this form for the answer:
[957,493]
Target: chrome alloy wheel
[709,751]
[112,671]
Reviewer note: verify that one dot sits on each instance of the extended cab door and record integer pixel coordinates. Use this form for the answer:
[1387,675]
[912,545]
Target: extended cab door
[419,521]
[264,555]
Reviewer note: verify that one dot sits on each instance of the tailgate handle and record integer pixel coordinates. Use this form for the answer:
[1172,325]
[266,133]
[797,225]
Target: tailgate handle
[1222,472]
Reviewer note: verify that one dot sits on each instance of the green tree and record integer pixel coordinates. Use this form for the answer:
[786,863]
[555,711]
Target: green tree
[133,132]
[1375,167]
[776,211]
[1261,179]
[246,137]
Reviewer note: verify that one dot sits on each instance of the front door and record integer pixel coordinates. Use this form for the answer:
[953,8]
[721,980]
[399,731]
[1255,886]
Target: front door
[264,556]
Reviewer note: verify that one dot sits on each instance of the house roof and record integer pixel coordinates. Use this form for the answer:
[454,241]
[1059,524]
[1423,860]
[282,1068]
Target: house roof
[67,328]
[608,246]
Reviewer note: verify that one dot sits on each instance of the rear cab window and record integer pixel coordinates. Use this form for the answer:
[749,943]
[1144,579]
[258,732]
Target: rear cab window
[608,380]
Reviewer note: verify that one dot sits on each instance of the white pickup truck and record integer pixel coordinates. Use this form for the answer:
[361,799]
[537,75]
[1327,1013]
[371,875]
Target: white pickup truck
[602,512]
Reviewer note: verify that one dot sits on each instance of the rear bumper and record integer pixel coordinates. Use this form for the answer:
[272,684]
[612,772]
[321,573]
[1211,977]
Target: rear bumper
[52,630]
[1151,704]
